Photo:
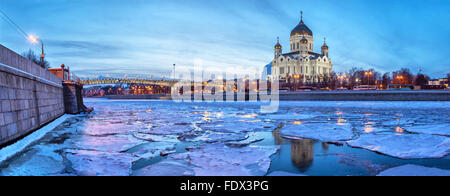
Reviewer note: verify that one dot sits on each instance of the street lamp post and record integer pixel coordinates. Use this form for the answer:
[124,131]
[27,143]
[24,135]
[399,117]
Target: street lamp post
[34,40]
[368,74]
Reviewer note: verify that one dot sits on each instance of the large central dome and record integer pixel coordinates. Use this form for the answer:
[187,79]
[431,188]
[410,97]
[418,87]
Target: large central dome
[301,29]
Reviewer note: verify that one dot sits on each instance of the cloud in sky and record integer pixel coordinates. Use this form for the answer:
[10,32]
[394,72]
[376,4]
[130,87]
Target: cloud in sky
[147,36]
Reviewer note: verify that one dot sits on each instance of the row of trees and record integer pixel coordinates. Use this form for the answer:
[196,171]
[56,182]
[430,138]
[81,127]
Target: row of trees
[358,76]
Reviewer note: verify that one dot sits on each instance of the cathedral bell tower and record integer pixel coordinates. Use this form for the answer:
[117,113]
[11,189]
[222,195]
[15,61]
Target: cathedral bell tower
[278,48]
[325,48]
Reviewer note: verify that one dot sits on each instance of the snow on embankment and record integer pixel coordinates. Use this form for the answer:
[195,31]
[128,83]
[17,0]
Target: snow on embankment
[20,145]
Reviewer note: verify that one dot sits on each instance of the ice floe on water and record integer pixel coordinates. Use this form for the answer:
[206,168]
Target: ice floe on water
[96,163]
[238,126]
[212,137]
[168,167]
[168,130]
[38,161]
[112,143]
[405,146]
[153,149]
[96,128]
[441,129]
[251,138]
[221,160]
[414,170]
[321,132]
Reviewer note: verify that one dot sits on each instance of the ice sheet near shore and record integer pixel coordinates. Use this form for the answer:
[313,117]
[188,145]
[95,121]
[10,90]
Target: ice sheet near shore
[19,146]
[38,161]
[414,170]
[405,146]
[321,132]
[216,160]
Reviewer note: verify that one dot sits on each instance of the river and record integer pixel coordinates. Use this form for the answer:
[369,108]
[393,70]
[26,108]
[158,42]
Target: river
[141,137]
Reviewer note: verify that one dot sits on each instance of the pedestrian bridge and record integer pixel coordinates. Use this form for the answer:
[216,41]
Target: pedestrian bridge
[168,83]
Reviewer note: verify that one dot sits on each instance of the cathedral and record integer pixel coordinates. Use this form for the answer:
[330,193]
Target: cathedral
[301,64]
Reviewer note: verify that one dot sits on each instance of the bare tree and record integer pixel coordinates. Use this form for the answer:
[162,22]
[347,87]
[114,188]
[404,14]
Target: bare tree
[386,80]
[421,79]
[403,76]
[30,55]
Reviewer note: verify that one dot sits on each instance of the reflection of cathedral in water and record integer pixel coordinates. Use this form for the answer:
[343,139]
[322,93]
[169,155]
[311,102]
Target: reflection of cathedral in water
[302,151]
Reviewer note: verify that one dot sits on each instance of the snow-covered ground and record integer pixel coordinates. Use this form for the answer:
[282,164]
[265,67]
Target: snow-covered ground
[136,137]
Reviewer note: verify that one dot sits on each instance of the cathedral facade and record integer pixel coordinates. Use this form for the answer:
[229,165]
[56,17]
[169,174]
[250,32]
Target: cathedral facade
[301,64]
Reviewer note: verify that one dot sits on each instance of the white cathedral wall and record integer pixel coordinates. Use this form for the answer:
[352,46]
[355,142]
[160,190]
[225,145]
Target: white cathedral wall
[311,69]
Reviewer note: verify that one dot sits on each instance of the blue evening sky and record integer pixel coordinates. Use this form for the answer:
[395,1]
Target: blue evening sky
[99,37]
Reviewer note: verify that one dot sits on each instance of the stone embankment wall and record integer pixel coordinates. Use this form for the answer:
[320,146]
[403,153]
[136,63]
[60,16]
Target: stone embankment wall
[30,96]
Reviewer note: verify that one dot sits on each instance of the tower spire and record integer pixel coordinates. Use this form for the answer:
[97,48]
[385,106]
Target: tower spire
[301,16]
[278,39]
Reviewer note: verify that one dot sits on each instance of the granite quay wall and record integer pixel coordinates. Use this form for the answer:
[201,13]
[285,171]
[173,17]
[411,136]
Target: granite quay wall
[30,96]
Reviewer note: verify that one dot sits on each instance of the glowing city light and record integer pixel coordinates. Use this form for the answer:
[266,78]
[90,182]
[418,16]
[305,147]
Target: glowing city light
[33,39]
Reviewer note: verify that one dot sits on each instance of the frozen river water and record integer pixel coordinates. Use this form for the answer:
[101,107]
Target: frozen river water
[129,137]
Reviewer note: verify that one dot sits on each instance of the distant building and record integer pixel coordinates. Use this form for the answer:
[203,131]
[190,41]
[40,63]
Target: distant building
[442,81]
[301,63]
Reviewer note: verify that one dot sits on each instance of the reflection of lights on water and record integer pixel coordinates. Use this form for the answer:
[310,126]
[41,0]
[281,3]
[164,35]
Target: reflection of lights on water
[369,123]
[339,113]
[206,115]
[250,116]
[369,114]
[297,122]
[368,129]
[149,110]
[399,130]
[341,121]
